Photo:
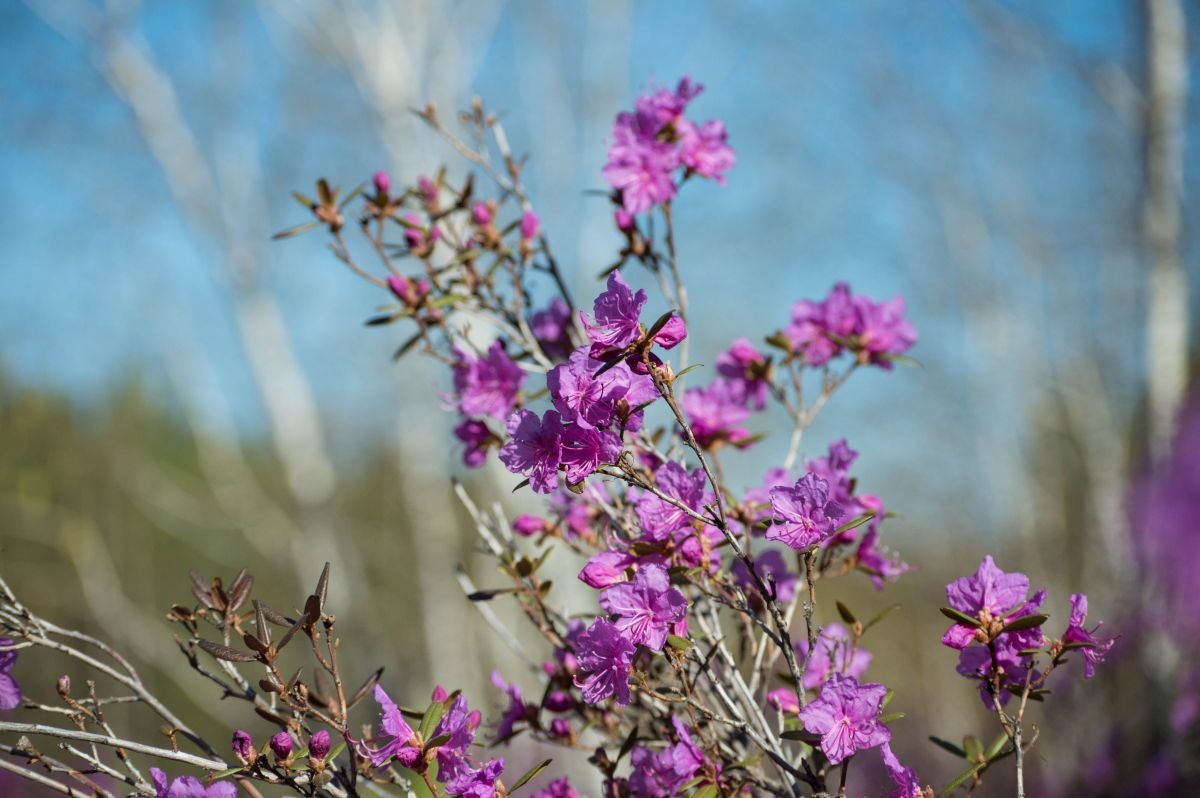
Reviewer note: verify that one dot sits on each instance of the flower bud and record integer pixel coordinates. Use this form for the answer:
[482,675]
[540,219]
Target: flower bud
[382,183]
[558,701]
[527,525]
[428,189]
[481,214]
[243,747]
[318,745]
[560,728]
[529,226]
[439,694]
[281,746]
[63,685]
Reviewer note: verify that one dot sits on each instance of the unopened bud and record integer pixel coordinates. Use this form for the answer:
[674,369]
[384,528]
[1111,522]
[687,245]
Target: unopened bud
[63,685]
[318,745]
[281,746]
[243,748]
[382,183]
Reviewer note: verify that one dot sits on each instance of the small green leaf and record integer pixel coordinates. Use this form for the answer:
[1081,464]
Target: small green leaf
[961,780]
[295,231]
[846,614]
[437,742]
[958,617]
[627,746]
[780,341]
[429,721]
[520,485]
[887,698]
[973,748]
[803,735]
[659,323]
[303,199]
[680,643]
[1027,622]
[692,367]
[406,346]
[857,522]
[707,791]
[883,614]
[529,774]
[891,717]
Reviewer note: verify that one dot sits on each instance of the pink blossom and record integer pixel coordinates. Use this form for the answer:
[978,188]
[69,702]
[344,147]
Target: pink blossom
[846,715]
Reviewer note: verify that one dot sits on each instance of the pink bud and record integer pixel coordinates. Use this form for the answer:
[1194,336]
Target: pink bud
[439,693]
[382,183]
[560,728]
[624,220]
[281,745]
[527,525]
[318,745]
[427,188]
[481,213]
[529,226]
[398,284]
[243,746]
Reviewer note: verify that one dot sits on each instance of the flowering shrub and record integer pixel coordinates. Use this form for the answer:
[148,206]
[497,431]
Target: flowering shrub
[704,592]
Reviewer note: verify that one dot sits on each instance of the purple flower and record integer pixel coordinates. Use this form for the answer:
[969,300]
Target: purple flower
[579,396]
[488,385]
[989,595]
[703,149]
[661,774]
[616,317]
[905,779]
[281,745]
[10,691]
[714,413]
[319,745]
[392,726]
[770,566]
[516,711]
[474,783]
[647,608]
[882,330]
[1095,648]
[760,498]
[846,715]
[584,450]
[243,747]
[834,468]
[832,656]
[559,788]
[477,437]
[881,565]
[744,368]
[410,292]
[814,322]
[551,327]
[534,449]
[529,525]
[604,656]
[640,166]
[606,568]
[189,787]
[803,513]
[659,518]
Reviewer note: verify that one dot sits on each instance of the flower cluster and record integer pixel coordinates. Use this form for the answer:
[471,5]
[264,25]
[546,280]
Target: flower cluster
[874,332]
[655,142]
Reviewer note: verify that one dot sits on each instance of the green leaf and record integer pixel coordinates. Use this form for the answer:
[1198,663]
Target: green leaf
[707,791]
[961,780]
[437,742]
[883,614]
[973,748]
[846,614]
[659,323]
[903,360]
[803,735]
[994,749]
[520,485]
[357,190]
[529,774]
[1027,622]
[692,367]
[857,522]
[446,300]
[887,698]
[958,617]
[779,341]
[946,745]
[894,716]
[1079,644]
[429,721]
[303,199]
[295,231]
[680,643]
[406,346]
[226,773]
[627,746]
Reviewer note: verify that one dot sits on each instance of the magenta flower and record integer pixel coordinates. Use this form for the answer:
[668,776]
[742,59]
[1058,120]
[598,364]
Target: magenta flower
[659,518]
[481,214]
[834,468]
[10,691]
[243,747]
[189,787]
[399,742]
[551,327]
[905,779]
[584,450]
[814,322]
[989,595]
[410,292]
[488,385]
[516,711]
[770,566]
[803,513]
[527,525]
[832,656]
[474,782]
[640,166]
[846,715]
[534,448]
[604,656]
[606,568]
[477,437]
[582,397]
[559,788]
[882,329]
[881,565]
[661,774]
[714,413]
[647,608]
[382,183]
[1094,648]
[704,150]
[417,237]
[744,368]
[760,498]
[616,317]
[281,745]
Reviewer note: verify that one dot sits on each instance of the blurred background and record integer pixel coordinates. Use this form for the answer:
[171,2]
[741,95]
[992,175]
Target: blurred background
[178,392]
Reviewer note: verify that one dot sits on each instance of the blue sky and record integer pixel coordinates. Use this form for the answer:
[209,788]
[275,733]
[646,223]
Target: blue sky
[865,132]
